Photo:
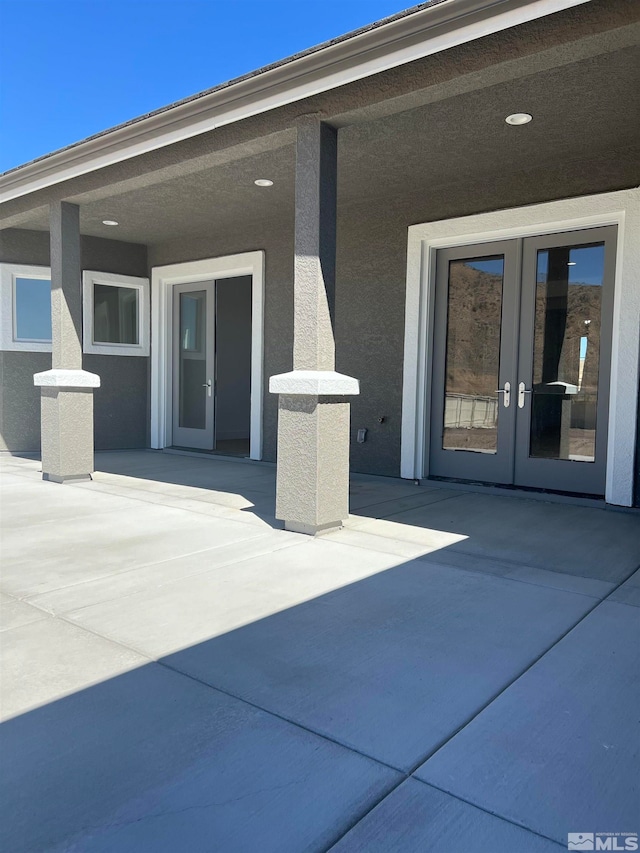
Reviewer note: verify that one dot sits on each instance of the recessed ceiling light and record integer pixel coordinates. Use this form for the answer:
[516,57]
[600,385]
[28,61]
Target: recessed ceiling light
[109,222]
[518,118]
[263,182]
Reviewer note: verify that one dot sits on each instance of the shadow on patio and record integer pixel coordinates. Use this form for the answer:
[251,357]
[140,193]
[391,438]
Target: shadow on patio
[391,687]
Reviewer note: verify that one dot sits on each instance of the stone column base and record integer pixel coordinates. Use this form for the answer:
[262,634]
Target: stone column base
[67,424]
[312,490]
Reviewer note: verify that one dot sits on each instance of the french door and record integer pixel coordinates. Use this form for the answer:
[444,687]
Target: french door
[521,361]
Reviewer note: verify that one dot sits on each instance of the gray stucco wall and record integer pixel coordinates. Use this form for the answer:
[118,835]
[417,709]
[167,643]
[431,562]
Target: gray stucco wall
[20,400]
[121,403]
[19,246]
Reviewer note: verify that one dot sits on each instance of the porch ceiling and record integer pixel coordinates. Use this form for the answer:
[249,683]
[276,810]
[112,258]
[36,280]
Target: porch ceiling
[584,113]
[580,112]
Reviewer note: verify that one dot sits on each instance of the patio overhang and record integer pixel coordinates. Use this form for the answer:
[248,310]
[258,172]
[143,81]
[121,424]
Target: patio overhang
[420,32]
[426,129]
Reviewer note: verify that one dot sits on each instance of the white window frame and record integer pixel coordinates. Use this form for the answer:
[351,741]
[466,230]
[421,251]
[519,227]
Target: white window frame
[621,208]
[162,281]
[8,275]
[141,285]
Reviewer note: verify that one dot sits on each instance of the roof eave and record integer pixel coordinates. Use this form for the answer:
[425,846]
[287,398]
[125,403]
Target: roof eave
[404,39]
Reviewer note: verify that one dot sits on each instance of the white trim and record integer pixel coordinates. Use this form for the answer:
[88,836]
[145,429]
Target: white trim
[58,378]
[314,382]
[162,280]
[141,286]
[8,275]
[372,51]
[617,208]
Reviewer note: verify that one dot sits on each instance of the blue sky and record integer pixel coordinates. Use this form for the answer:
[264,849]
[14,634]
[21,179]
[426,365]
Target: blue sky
[586,265]
[71,68]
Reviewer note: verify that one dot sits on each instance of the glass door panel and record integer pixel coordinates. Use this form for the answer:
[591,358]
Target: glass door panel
[472,407]
[193,307]
[472,355]
[192,373]
[564,360]
[566,352]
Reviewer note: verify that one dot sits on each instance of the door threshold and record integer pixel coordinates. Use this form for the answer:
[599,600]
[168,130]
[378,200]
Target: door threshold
[213,455]
[230,454]
[523,492]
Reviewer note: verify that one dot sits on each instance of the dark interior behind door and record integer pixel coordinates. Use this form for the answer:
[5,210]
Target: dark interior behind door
[233,365]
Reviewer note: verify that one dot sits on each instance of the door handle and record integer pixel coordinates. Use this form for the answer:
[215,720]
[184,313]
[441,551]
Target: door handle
[207,385]
[522,390]
[507,394]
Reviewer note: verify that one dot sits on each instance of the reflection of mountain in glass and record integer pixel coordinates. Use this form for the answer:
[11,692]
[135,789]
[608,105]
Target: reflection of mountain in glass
[566,352]
[473,329]
[473,355]
[581,335]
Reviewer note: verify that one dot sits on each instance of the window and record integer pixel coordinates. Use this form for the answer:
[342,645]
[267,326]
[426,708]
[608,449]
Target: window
[116,314]
[32,309]
[25,308]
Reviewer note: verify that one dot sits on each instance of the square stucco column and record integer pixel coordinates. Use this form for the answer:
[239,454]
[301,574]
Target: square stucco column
[67,389]
[312,490]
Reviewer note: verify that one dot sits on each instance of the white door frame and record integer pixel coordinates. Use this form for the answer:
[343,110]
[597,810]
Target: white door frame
[162,281]
[617,208]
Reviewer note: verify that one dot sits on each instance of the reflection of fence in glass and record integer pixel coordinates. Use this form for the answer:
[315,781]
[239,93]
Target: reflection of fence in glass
[470,423]
[469,412]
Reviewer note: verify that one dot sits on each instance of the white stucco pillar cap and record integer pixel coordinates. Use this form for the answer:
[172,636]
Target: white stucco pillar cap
[57,378]
[314,383]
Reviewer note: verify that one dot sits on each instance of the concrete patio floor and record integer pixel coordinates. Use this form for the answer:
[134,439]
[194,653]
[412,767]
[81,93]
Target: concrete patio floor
[451,672]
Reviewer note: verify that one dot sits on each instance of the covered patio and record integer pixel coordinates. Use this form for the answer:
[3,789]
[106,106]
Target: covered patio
[333,207]
[452,670]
